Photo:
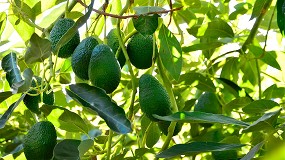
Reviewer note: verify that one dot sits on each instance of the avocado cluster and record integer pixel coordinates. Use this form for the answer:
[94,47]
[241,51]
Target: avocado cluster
[40,141]
[153,99]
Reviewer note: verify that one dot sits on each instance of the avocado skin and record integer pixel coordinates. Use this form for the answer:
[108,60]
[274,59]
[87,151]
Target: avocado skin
[104,70]
[58,30]
[81,57]
[40,141]
[153,98]
[209,103]
[113,42]
[140,51]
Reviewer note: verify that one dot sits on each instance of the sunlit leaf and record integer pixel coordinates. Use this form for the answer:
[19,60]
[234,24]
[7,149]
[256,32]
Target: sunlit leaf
[258,7]
[274,91]
[3,19]
[97,100]
[266,122]
[68,120]
[231,69]
[202,46]
[193,148]
[237,103]
[39,49]
[201,117]
[170,52]
[259,106]
[146,9]
[5,95]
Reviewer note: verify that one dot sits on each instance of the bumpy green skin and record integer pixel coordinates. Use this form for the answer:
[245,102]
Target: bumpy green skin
[140,51]
[40,141]
[153,98]
[104,70]
[48,98]
[32,102]
[58,30]
[163,126]
[208,102]
[113,42]
[81,57]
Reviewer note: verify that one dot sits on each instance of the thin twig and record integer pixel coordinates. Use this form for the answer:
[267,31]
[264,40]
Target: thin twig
[128,16]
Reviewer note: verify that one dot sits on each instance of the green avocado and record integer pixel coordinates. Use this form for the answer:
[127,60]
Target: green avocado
[104,70]
[40,141]
[113,42]
[140,51]
[32,102]
[153,98]
[58,30]
[81,57]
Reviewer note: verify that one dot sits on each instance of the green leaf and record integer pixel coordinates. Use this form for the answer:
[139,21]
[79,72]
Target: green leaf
[5,95]
[146,9]
[237,103]
[274,92]
[259,106]
[67,149]
[267,57]
[68,120]
[234,88]
[146,25]
[250,155]
[281,15]
[153,135]
[230,69]
[267,122]
[258,7]
[5,117]
[13,74]
[39,49]
[170,52]
[241,9]
[97,100]
[84,146]
[201,117]
[28,76]
[196,148]
[74,29]
[202,46]
[198,80]
[3,20]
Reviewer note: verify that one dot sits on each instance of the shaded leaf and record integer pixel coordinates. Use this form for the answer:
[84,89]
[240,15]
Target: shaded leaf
[68,120]
[170,52]
[201,117]
[146,25]
[198,80]
[153,135]
[5,95]
[280,4]
[74,29]
[237,89]
[231,69]
[4,118]
[266,122]
[39,49]
[67,150]
[237,103]
[84,146]
[28,76]
[259,106]
[250,155]
[196,148]
[97,100]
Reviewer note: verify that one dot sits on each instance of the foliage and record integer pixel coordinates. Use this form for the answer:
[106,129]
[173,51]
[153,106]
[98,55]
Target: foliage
[230,48]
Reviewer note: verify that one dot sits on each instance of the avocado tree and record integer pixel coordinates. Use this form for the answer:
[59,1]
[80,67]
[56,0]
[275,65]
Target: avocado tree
[136,79]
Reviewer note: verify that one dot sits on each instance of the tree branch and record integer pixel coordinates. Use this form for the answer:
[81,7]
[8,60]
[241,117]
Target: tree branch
[128,16]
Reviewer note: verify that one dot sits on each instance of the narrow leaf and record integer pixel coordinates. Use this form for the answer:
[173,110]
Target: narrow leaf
[170,52]
[5,95]
[201,117]
[196,148]
[68,120]
[266,122]
[259,106]
[97,100]
[198,80]
[73,30]
[4,118]
[39,49]
[250,155]
[146,25]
